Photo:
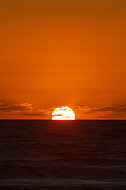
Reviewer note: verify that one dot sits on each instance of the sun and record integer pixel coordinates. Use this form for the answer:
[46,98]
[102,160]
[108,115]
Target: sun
[63,113]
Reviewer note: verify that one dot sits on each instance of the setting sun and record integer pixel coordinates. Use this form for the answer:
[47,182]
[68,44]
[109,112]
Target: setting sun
[63,113]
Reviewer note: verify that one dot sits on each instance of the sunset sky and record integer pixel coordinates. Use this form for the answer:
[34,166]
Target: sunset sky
[63,52]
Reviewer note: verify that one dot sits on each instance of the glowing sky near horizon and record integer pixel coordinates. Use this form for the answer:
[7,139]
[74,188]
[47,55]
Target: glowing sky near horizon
[68,52]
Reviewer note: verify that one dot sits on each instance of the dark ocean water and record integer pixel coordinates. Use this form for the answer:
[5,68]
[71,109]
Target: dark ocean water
[46,154]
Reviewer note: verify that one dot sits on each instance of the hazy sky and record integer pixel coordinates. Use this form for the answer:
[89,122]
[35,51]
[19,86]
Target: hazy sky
[63,52]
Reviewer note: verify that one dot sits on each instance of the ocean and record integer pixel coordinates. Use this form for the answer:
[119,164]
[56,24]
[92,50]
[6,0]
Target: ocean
[80,154]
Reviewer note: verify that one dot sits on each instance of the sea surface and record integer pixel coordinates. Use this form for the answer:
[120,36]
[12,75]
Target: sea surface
[38,154]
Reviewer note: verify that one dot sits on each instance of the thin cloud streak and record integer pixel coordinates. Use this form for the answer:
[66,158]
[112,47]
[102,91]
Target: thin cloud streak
[27,111]
[15,107]
[101,112]
[21,111]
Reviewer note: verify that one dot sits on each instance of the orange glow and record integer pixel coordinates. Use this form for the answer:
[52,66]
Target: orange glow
[63,113]
[62,52]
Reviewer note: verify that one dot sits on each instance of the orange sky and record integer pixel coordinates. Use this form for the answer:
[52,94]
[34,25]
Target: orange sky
[67,52]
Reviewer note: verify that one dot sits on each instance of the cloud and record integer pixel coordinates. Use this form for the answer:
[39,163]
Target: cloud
[15,107]
[27,111]
[38,112]
[101,112]
[23,110]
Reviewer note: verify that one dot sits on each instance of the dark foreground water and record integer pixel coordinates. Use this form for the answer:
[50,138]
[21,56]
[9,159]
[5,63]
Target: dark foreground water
[62,155]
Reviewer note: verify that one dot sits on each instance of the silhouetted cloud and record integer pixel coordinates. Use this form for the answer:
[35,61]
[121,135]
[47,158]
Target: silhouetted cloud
[15,107]
[38,112]
[107,112]
[24,110]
